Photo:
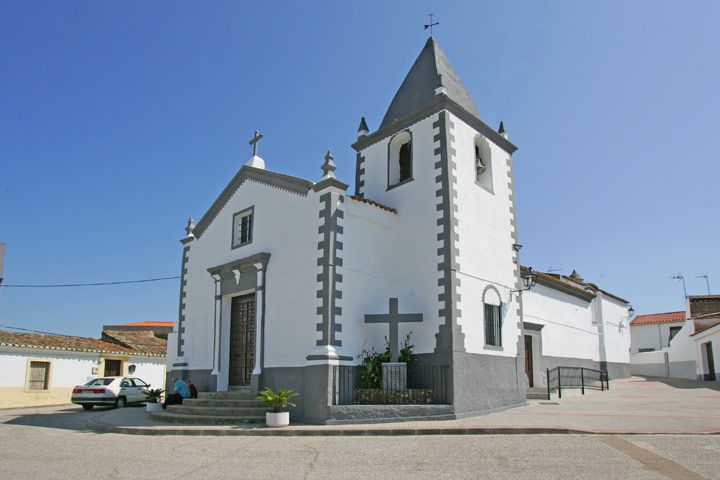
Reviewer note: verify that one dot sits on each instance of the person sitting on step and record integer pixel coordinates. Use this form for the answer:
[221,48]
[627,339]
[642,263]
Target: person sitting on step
[181,391]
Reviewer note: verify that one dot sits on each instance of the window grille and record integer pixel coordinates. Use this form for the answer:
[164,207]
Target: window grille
[493,325]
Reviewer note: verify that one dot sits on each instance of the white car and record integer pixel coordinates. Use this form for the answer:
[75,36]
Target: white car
[110,391]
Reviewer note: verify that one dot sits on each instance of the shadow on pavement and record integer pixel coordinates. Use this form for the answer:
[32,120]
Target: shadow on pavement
[685,383]
[64,418]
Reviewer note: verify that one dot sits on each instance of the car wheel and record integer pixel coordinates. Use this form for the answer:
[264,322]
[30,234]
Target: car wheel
[87,407]
[120,402]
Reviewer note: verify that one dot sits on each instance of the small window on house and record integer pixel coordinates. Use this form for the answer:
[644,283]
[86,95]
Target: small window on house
[643,350]
[242,228]
[39,376]
[493,325]
[400,159]
[673,332]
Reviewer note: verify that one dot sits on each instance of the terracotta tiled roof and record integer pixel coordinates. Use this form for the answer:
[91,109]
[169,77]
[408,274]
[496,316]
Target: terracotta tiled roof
[60,342]
[148,324]
[139,341]
[373,203]
[653,318]
[573,282]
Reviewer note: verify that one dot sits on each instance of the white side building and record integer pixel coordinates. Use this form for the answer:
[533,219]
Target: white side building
[38,370]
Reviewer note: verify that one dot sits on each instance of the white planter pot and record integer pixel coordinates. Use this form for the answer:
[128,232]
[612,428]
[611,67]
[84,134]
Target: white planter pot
[281,419]
[153,407]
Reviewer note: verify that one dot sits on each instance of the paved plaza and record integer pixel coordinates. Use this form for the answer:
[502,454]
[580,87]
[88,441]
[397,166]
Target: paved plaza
[632,406]
[63,443]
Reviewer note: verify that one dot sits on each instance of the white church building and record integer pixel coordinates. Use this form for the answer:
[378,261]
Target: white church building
[286,281]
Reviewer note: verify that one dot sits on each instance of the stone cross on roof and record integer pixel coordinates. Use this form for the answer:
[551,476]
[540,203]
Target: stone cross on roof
[254,142]
[393,319]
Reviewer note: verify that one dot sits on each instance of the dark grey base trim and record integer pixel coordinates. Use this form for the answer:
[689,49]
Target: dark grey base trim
[353,414]
[203,379]
[615,369]
[483,383]
[342,358]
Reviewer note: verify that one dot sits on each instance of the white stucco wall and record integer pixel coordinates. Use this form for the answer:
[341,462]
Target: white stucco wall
[617,333]
[485,242]
[393,255]
[567,330]
[655,336]
[284,225]
[711,335]
[149,369]
[67,368]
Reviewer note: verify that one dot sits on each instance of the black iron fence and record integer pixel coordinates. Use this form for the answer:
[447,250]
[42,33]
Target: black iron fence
[396,385]
[560,378]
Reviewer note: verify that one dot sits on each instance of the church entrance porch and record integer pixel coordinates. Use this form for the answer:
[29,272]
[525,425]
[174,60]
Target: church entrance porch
[242,339]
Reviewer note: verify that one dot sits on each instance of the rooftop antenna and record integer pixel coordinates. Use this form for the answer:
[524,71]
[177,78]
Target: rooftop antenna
[431,24]
[706,277]
[550,269]
[680,277]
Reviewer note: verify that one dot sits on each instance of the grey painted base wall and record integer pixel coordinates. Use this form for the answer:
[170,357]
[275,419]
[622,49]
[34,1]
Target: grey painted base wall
[203,380]
[685,369]
[485,383]
[615,370]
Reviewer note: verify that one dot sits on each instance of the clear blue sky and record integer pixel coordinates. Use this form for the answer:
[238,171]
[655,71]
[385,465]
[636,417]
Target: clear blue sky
[119,120]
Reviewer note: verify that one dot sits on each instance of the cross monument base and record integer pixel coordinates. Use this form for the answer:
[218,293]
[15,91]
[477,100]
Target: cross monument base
[394,376]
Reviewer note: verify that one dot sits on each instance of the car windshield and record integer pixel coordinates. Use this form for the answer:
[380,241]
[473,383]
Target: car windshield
[100,381]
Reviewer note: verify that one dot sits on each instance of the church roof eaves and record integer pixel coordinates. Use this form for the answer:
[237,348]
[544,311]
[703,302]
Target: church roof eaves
[373,203]
[441,102]
[291,184]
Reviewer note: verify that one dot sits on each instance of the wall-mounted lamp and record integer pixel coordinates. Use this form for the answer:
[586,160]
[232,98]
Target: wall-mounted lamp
[529,279]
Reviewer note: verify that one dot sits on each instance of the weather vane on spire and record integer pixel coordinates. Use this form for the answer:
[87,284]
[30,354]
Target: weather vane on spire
[431,24]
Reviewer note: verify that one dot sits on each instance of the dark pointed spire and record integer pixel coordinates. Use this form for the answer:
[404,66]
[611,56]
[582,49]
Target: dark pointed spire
[430,74]
[363,129]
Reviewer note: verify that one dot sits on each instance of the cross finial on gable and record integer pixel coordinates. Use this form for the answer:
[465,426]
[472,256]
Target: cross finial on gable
[254,142]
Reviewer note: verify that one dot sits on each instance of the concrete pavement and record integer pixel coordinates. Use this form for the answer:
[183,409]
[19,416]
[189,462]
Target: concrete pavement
[631,406]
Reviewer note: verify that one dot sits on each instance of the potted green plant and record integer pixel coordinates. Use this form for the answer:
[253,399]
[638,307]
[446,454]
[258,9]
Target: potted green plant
[152,399]
[280,403]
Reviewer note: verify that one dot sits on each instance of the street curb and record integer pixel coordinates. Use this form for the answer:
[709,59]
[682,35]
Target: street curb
[101,426]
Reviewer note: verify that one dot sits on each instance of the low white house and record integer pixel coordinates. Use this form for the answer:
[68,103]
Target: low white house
[569,322]
[680,344]
[38,369]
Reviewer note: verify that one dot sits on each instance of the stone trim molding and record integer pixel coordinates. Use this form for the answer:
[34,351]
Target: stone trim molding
[488,288]
[328,279]
[450,337]
[532,327]
[288,183]
[359,174]
[520,355]
[262,258]
[442,102]
[183,293]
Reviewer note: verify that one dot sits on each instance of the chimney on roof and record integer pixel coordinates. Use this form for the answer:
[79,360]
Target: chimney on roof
[576,276]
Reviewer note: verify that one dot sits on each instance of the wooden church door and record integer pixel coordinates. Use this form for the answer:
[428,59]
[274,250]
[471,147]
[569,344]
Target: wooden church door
[242,339]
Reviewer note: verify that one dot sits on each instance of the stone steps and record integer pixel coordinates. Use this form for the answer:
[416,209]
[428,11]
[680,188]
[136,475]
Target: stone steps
[221,402]
[536,393]
[217,411]
[231,395]
[206,419]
